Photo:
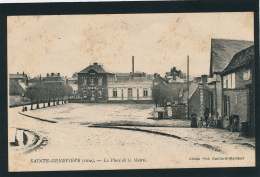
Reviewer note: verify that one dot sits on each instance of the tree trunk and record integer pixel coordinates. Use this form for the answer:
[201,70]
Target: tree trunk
[31,105]
[61,100]
[49,102]
[37,103]
[58,102]
[53,101]
[44,104]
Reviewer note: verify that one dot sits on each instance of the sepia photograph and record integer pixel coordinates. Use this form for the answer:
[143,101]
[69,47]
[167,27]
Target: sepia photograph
[131,91]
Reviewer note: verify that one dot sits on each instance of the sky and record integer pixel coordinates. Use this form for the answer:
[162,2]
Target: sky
[69,43]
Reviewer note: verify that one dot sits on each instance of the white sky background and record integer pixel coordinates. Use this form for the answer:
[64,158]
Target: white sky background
[69,43]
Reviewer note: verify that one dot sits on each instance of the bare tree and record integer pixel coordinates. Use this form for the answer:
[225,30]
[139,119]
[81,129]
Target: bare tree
[31,93]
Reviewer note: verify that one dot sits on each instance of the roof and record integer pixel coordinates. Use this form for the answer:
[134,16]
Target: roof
[135,80]
[241,58]
[192,88]
[74,87]
[17,76]
[177,79]
[52,79]
[23,85]
[98,68]
[159,79]
[222,51]
[122,74]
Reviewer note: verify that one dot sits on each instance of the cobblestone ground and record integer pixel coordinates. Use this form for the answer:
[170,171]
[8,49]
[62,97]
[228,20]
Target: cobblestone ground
[98,134]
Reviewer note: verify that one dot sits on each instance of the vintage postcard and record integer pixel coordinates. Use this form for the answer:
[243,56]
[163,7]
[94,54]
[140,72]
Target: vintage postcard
[131,91]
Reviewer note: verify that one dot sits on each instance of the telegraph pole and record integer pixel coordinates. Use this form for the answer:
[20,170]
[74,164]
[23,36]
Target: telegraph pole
[188,79]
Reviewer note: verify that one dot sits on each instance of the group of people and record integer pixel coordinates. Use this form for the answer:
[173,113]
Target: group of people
[210,121]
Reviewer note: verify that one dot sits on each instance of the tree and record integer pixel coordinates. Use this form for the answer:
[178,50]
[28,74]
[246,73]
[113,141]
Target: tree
[162,93]
[68,91]
[31,93]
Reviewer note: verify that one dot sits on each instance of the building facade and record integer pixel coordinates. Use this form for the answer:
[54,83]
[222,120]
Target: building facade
[127,89]
[93,83]
[222,51]
[224,82]
[18,83]
[238,89]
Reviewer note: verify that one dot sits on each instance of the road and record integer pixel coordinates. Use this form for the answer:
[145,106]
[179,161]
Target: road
[94,148]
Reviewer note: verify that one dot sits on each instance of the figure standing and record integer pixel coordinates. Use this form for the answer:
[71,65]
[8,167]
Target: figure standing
[193,120]
[206,115]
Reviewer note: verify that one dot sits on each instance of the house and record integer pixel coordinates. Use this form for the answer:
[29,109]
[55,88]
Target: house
[18,77]
[135,87]
[238,88]
[222,52]
[198,96]
[53,78]
[175,76]
[93,83]
[18,83]
[73,82]
[158,79]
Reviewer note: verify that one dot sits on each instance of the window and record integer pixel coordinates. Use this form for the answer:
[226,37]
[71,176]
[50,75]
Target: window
[84,81]
[145,92]
[99,93]
[233,80]
[114,92]
[92,81]
[246,74]
[92,93]
[229,81]
[100,81]
[85,93]
[130,92]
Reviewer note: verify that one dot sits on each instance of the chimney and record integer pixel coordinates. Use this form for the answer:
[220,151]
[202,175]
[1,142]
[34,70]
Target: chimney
[204,79]
[59,74]
[52,74]
[95,63]
[133,67]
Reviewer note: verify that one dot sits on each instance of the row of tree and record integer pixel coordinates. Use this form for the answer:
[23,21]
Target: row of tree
[43,92]
[163,93]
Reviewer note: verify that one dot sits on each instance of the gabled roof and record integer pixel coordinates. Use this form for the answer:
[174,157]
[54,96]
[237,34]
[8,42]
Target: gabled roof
[96,67]
[241,58]
[222,51]
[192,88]
[159,79]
